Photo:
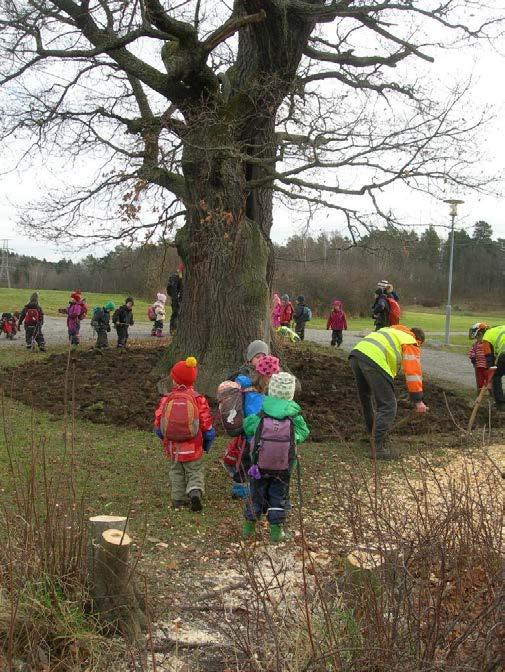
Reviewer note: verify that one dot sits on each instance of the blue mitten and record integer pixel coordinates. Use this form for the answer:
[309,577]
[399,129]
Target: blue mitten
[208,438]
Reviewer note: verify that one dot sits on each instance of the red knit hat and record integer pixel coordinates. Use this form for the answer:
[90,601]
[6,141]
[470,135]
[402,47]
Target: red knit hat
[75,296]
[185,372]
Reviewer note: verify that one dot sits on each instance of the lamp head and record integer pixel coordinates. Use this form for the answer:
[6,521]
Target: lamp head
[453,202]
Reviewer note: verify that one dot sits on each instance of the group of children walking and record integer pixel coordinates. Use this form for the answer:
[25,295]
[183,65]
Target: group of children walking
[32,317]
[285,315]
[257,410]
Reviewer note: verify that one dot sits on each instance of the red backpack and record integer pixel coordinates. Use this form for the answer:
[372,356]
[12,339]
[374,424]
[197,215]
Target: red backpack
[32,317]
[151,314]
[394,311]
[180,419]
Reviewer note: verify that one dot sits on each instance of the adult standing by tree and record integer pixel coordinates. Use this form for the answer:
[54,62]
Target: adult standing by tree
[174,291]
[223,112]
[375,362]
[494,340]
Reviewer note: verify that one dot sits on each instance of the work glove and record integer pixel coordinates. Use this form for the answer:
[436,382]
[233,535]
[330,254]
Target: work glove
[421,407]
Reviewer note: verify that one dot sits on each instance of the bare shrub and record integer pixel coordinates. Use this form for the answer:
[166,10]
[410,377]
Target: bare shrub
[426,594]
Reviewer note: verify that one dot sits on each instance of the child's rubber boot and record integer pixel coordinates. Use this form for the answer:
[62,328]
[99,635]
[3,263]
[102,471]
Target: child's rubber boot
[195,500]
[159,333]
[277,534]
[248,529]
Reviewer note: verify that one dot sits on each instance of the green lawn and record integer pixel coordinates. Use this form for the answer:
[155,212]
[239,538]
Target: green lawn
[52,299]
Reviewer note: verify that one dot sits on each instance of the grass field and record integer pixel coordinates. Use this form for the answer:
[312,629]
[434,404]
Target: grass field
[52,299]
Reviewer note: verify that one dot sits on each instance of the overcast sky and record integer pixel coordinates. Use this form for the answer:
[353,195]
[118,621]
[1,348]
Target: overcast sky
[485,63]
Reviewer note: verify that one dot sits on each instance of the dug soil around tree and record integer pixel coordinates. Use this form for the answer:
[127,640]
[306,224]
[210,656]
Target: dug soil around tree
[122,388]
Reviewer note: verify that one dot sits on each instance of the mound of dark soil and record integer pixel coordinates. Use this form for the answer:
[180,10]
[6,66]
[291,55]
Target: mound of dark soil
[120,388]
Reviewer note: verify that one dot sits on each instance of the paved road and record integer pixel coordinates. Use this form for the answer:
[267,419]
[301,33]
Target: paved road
[441,365]
[437,364]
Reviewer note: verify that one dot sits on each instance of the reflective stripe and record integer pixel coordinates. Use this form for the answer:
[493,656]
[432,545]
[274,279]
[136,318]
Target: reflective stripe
[410,358]
[411,379]
[498,347]
[396,349]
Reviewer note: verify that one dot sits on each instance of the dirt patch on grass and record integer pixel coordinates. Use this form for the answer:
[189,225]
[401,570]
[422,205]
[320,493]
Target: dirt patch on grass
[120,388]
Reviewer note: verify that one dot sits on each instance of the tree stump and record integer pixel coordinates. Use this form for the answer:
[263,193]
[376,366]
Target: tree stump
[369,568]
[113,592]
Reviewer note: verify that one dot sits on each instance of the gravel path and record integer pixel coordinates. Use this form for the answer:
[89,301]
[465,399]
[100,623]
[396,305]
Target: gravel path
[437,364]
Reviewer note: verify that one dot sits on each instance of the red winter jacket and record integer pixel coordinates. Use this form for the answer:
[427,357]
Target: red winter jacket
[187,451]
[337,320]
[287,314]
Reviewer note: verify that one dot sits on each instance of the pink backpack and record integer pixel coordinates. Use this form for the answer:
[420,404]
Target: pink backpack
[273,446]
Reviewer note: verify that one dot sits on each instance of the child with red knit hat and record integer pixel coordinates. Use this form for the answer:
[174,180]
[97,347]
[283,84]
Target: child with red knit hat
[75,312]
[183,422]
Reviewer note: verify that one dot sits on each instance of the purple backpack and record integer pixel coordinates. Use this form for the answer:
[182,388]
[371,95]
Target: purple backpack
[273,445]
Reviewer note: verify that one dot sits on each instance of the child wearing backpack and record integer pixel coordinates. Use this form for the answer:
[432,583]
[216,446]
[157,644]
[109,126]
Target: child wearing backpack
[75,312]
[337,322]
[157,314]
[183,422]
[101,323]
[123,320]
[301,316]
[237,400]
[276,431]
[33,317]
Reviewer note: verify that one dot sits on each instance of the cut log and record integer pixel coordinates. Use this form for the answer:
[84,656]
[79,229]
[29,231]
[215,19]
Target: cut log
[97,526]
[113,592]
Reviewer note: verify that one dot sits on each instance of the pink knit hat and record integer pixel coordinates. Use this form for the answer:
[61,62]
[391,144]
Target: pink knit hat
[268,366]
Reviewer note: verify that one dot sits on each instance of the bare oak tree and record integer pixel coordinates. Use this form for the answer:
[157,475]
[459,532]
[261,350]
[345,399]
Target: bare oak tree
[221,108]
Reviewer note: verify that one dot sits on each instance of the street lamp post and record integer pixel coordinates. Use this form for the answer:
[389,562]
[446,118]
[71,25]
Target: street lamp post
[453,202]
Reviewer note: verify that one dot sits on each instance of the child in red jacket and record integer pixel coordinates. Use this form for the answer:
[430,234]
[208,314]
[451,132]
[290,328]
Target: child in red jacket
[183,422]
[337,322]
[479,353]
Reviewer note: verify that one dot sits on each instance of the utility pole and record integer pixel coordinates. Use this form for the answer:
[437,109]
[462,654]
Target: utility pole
[453,203]
[4,263]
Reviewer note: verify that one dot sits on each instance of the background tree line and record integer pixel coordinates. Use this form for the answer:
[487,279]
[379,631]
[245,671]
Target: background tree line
[321,267]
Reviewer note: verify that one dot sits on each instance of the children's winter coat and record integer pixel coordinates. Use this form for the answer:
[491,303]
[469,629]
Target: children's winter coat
[29,310]
[276,311]
[477,355]
[76,311]
[337,320]
[188,451]
[159,308]
[280,409]
[287,312]
[123,316]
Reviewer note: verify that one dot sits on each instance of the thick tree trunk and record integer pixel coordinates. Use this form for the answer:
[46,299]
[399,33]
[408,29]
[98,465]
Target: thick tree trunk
[227,260]
[225,243]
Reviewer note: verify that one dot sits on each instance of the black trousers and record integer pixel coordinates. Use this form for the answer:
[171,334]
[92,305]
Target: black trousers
[122,335]
[34,335]
[102,340]
[300,330]
[497,381]
[336,337]
[374,389]
[174,317]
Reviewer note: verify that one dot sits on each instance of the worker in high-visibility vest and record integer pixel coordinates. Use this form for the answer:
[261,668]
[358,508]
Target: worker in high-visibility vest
[375,361]
[493,341]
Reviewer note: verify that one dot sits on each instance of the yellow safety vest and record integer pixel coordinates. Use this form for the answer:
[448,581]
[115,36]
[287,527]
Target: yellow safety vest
[496,336]
[384,348]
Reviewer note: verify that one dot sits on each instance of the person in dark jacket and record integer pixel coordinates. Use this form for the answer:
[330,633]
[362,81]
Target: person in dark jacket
[380,309]
[123,319]
[174,291]
[301,316]
[101,324]
[33,317]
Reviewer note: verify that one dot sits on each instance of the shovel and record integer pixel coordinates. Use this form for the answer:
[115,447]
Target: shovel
[480,397]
